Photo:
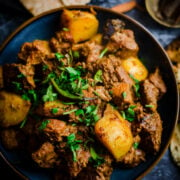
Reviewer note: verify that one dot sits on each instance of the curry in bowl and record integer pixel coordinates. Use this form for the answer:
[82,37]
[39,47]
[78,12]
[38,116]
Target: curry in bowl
[83,100]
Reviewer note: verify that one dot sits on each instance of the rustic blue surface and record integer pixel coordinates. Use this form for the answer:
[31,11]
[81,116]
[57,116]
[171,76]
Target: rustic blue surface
[12,15]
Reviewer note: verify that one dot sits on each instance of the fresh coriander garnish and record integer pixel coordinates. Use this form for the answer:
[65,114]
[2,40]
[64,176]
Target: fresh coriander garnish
[50,95]
[136,85]
[59,56]
[88,116]
[69,112]
[95,157]
[98,76]
[149,105]
[104,51]
[54,110]
[129,113]
[17,85]
[124,95]
[135,145]
[44,124]
[73,145]
[65,29]
[23,123]
[76,54]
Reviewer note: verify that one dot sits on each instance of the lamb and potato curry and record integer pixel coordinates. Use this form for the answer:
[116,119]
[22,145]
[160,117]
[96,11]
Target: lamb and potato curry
[82,100]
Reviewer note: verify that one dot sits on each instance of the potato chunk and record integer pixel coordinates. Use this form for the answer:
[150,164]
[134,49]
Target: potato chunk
[135,67]
[82,25]
[114,133]
[13,109]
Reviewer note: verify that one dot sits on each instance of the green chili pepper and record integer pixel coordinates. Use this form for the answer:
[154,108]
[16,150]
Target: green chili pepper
[65,93]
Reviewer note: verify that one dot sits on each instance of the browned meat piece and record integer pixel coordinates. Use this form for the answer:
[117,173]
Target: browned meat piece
[52,109]
[12,139]
[112,26]
[123,44]
[102,172]
[133,157]
[89,50]
[156,79]
[82,160]
[28,72]
[102,93]
[108,66]
[151,131]
[56,129]
[34,52]
[149,94]
[112,71]
[123,76]
[16,80]
[45,156]
[61,42]
[122,94]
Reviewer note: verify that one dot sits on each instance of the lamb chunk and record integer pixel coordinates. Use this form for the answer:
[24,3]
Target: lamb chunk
[122,94]
[12,139]
[28,72]
[108,66]
[61,42]
[34,52]
[57,129]
[123,76]
[103,93]
[151,131]
[89,50]
[133,157]
[82,156]
[13,82]
[112,26]
[156,79]
[123,44]
[45,156]
[102,172]
[149,94]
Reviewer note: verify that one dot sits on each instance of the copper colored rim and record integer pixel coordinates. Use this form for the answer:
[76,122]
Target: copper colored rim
[98,8]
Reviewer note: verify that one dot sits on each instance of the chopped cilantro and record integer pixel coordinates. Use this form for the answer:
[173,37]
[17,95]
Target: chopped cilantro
[104,51]
[149,105]
[98,76]
[135,145]
[50,95]
[69,112]
[23,123]
[95,157]
[124,95]
[76,54]
[54,110]
[59,56]
[88,116]
[73,145]
[44,124]
[65,29]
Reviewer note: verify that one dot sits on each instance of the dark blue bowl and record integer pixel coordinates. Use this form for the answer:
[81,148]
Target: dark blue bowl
[152,55]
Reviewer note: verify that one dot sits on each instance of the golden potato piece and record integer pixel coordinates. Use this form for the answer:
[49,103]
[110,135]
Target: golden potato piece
[114,133]
[13,109]
[82,25]
[97,38]
[135,67]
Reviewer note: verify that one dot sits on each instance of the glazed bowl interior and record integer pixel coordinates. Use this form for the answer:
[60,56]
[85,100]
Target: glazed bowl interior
[151,54]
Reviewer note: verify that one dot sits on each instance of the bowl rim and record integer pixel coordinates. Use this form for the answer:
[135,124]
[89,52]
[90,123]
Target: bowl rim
[98,8]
